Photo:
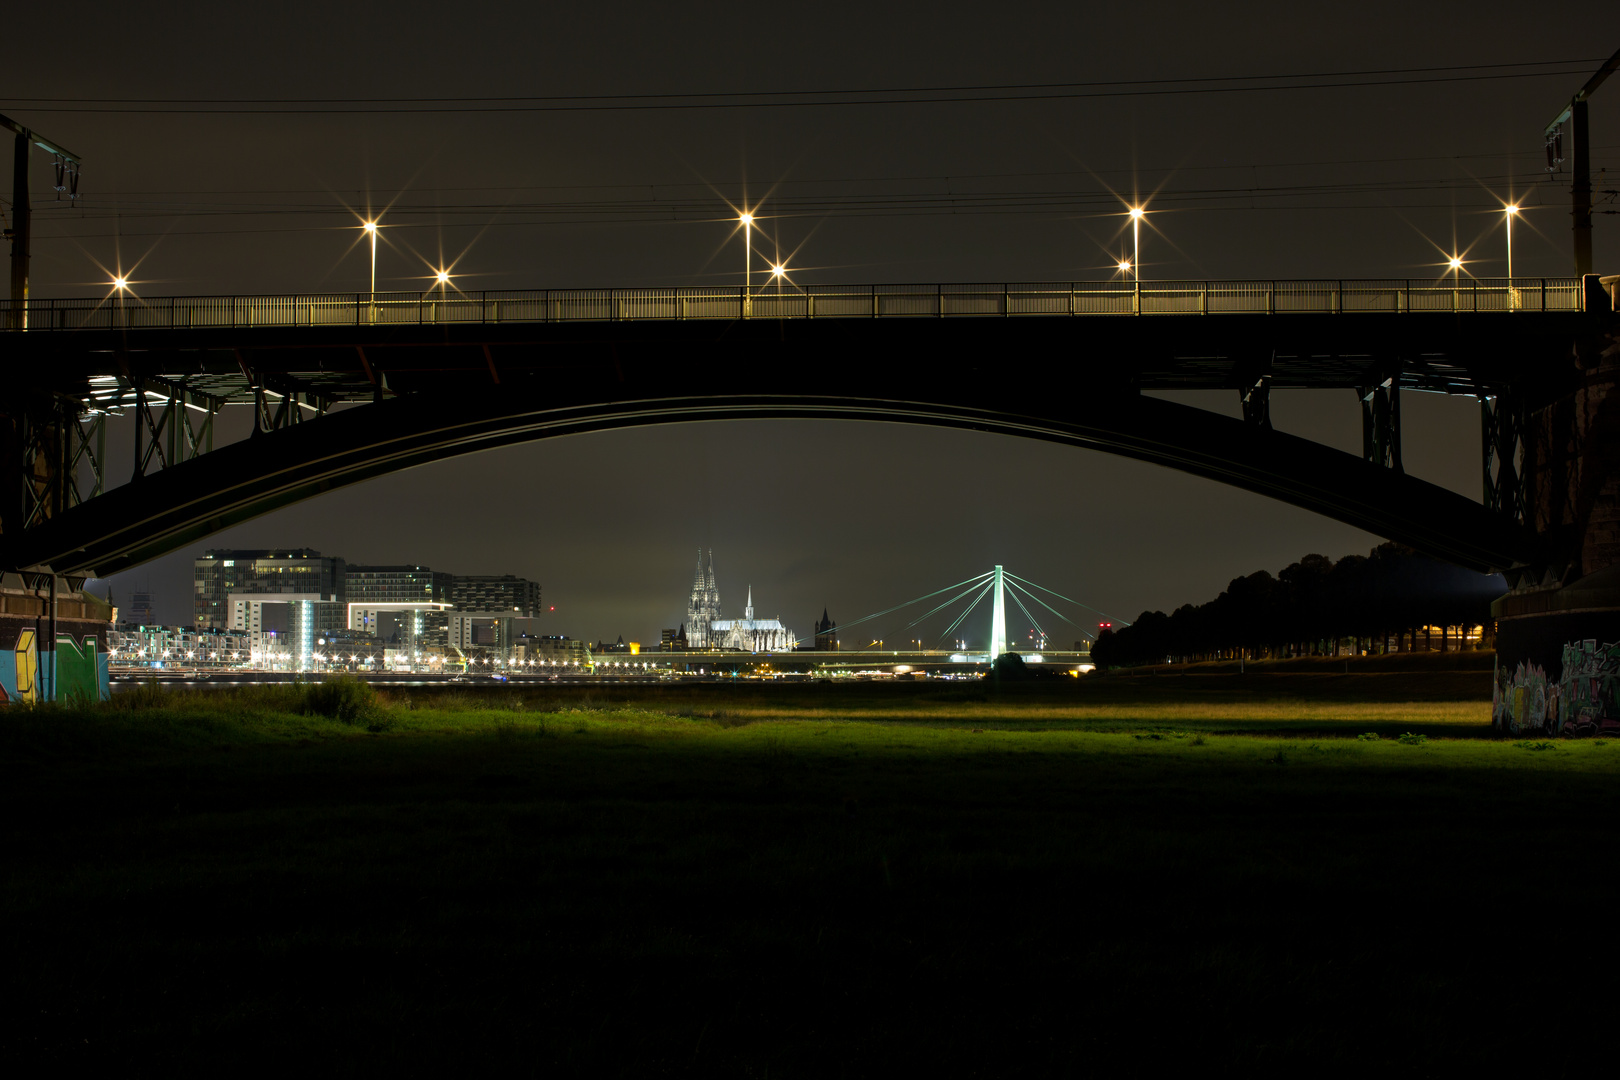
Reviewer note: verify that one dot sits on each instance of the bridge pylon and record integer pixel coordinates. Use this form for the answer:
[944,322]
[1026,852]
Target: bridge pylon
[998,619]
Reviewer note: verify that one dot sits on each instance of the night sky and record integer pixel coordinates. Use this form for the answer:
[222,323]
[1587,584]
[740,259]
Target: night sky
[1300,179]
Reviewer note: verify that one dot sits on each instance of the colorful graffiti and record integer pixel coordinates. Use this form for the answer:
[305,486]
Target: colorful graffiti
[1589,703]
[25,669]
[1524,700]
[1583,700]
[80,671]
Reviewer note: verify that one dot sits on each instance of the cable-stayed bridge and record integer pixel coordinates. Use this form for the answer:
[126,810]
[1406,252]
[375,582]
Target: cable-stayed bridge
[959,638]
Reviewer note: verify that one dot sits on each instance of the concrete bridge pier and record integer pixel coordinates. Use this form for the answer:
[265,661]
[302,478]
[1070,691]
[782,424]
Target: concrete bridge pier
[1558,470]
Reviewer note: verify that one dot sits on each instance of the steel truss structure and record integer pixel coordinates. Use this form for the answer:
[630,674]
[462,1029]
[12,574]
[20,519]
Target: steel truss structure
[1026,365]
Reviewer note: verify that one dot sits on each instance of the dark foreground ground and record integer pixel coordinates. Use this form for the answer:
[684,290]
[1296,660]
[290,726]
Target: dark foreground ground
[841,881]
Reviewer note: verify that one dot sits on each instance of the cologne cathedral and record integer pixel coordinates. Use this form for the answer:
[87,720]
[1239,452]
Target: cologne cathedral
[705,629]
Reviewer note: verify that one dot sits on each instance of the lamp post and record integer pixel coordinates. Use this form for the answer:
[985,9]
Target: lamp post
[371,231]
[1136,258]
[120,285]
[1511,210]
[747,220]
[1455,265]
[1136,241]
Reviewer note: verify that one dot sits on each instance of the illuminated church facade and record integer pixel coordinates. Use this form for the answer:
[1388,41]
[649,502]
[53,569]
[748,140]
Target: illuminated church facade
[705,629]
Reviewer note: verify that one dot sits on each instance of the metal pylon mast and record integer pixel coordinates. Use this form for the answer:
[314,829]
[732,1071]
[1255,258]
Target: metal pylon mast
[1581,186]
[998,619]
[22,229]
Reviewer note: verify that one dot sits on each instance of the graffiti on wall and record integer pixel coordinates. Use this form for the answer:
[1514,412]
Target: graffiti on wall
[1524,700]
[81,673]
[25,671]
[1589,704]
[1583,700]
[21,682]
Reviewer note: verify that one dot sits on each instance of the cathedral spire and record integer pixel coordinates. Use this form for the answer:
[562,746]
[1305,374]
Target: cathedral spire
[748,612]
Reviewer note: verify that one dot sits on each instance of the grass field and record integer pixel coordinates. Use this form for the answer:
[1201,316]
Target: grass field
[1227,872]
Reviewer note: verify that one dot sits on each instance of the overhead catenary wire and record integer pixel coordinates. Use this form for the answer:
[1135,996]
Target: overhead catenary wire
[821,98]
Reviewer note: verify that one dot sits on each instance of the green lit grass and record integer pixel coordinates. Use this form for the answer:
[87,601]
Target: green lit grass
[803,881]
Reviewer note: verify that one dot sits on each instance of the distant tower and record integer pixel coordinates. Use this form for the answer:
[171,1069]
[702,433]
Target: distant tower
[695,606]
[998,621]
[711,610]
[825,641]
[703,607]
[748,612]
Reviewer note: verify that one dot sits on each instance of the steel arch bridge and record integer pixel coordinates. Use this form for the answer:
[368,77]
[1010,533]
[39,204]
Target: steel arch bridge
[365,390]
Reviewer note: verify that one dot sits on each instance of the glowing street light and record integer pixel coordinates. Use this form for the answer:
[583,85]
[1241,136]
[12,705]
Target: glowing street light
[1510,211]
[370,228]
[1136,242]
[1455,265]
[747,221]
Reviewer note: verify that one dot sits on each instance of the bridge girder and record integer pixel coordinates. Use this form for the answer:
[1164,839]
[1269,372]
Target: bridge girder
[420,393]
[181,505]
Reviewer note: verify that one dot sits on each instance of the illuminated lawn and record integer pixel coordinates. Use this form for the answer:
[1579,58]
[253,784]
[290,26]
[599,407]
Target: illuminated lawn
[750,882]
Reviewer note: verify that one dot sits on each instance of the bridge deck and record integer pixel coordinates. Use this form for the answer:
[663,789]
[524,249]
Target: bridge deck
[1474,338]
[440,307]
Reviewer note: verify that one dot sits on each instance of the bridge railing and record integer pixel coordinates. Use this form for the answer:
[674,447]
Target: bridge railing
[1281,297]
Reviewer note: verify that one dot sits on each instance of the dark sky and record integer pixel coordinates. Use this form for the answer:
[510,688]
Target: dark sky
[1294,181]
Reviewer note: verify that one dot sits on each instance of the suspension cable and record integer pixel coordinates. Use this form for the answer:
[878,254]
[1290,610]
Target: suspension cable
[1060,596]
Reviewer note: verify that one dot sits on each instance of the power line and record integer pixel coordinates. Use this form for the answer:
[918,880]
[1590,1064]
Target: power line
[978,87]
[778,99]
[653,185]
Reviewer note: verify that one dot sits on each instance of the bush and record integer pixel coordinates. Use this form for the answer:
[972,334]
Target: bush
[1371,736]
[343,698]
[1410,739]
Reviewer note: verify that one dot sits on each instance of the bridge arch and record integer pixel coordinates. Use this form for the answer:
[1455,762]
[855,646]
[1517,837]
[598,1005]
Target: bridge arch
[162,512]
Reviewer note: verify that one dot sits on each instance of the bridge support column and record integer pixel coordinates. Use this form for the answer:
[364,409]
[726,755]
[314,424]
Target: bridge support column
[52,458]
[1558,628]
[1381,424]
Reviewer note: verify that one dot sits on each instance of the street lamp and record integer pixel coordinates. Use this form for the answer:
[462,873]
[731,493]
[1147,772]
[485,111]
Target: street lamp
[747,220]
[371,230]
[1455,265]
[1136,242]
[1510,211]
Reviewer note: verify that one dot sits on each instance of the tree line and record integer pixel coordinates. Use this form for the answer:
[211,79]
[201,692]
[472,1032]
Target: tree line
[1314,607]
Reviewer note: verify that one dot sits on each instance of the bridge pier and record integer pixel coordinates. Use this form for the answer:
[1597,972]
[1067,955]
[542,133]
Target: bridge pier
[1557,469]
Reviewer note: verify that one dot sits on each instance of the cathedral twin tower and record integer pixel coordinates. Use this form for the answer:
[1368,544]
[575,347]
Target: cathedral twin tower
[705,629]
